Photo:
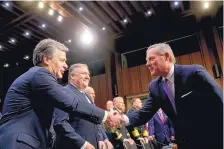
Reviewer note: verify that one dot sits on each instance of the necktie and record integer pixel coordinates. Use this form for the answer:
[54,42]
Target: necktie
[84,94]
[169,94]
[161,117]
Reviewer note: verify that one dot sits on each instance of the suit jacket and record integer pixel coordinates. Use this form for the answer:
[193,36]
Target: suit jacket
[28,109]
[199,106]
[162,131]
[72,132]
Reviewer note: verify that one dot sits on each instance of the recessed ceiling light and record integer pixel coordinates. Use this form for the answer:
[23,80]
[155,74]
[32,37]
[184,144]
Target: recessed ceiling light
[27,33]
[60,18]
[69,40]
[176,3]
[80,8]
[43,25]
[51,12]
[12,40]
[41,5]
[103,28]
[0,47]
[26,57]
[6,65]
[149,12]
[125,20]
[7,4]
[206,5]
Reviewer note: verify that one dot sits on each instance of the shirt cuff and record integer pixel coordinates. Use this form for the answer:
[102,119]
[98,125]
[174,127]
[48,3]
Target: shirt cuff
[105,117]
[126,120]
[84,145]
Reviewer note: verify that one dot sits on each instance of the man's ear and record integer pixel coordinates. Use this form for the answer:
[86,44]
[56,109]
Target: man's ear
[46,60]
[167,56]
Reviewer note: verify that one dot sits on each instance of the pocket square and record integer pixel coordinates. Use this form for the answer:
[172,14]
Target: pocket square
[186,94]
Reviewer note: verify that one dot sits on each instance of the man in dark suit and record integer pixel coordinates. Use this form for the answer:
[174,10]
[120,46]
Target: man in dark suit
[67,126]
[188,95]
[102,134]
[161,128]
[30,101]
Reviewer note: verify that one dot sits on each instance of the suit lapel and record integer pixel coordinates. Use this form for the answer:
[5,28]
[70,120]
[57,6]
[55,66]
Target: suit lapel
[77,92]
[178,83]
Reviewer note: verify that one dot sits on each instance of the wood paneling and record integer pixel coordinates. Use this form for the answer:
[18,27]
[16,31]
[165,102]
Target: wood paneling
[118,75]
[103,88]
[135,80]
[144,78]
[219,46]
[197,58]
[126,81]
[185,59]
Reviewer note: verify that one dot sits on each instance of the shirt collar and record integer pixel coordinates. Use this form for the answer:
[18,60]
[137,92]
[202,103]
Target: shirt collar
[170,74]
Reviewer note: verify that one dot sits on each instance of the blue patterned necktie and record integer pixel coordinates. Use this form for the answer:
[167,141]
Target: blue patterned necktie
[169,94]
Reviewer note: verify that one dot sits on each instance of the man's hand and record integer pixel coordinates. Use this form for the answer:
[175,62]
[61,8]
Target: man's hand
[172,138]
[130,141]
[89,146]
[102,145]
[108,144]
[144,140]
[151,137]
[114,119]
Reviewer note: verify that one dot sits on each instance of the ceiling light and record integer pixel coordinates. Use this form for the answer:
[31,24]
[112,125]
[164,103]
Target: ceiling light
[176,3]
[69,40]
[103,28]
[12,40]
[0,47]
[26,57]
[51,12]
[149,12]
[60,18]
[43,25]
[125,20]
[86,37]
[80,8]
[7,4]
[41,5]
[27,33]
[206,5]
[6,65]
[17,63]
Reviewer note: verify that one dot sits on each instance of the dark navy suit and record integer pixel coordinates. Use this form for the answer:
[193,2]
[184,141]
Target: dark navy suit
[28,109]
[162,130]
[198,122]
[72,132]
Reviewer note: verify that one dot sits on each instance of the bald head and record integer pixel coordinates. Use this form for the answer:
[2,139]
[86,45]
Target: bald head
[91,93]
[109,105]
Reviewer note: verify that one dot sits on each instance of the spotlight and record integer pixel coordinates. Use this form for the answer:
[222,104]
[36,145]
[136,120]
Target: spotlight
[125,20]
[103,28]
[12,40]
[206,5]
[7,4]
[60,18]
[41,5]
[26,57]
[80,8]
[51,12]
[69,41]
[176,3]
[86,37]
[43,25]
[27,33]
[6,65]
[0,47]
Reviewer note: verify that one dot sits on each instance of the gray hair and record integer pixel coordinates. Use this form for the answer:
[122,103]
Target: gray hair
[162,48]
[73,67]
[46,47]
[116,99]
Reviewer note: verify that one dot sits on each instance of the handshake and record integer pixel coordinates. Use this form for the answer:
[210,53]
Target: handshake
[114,119]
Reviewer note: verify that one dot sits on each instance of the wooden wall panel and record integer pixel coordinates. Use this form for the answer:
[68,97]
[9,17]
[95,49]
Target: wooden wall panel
[185,59]
[126,81]
[103,91]
[135,80]
[144,78]
[196,58]
[118,76]
[219,46]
